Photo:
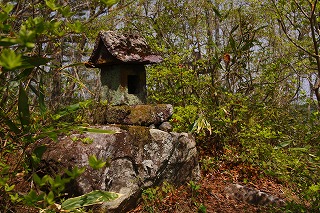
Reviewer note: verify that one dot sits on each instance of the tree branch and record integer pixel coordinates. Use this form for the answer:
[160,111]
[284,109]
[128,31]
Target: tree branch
[293,42]
[301,9]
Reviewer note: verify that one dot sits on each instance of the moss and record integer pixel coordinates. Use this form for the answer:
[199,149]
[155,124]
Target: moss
[141,135]
[116,114]
[142,115]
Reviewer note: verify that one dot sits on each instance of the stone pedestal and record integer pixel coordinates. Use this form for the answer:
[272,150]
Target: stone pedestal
[138,156]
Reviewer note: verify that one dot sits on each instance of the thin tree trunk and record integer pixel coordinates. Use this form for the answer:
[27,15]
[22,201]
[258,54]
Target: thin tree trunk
[313,23]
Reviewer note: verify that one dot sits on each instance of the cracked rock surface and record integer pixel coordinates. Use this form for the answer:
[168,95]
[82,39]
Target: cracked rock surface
[139,157]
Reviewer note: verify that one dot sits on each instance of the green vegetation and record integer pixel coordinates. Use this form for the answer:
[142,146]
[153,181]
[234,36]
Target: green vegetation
[242,76]
[32,38]
[153,197]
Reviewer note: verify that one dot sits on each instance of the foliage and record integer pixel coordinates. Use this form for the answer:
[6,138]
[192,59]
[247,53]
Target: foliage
[91,198]
[208,163]
[54,188]
[202,209]
[194,188]
[283,152]
[238,77]
[168,198]
[32,40]
[152,196]
[183,118]
[96,163]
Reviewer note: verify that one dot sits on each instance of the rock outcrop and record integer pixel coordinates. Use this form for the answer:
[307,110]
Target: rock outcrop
[252,196]
[138,156]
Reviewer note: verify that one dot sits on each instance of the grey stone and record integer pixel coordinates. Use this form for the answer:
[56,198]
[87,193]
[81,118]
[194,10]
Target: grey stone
[139,157]
[116,85]
[252,195]
[166,126]
[152,126]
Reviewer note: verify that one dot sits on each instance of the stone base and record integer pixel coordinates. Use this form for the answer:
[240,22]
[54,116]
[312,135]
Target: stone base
[139,157]
[139,115]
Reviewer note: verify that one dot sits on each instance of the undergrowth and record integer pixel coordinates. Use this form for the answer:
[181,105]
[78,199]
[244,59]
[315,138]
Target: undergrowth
[283,143]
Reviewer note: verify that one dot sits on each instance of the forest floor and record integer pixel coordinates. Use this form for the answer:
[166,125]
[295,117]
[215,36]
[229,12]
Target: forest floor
[211,196]
[208,194]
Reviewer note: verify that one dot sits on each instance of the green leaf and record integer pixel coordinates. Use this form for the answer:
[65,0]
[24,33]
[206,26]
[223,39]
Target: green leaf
[34,61]
[10,124]
[73,107]
[283,144]
[23,108]
[37,24]
[201,124]
[315,188]
[232,43]
[6,41]
[53,135]
[76,27]
[301,149]
[75,172]
[3,17]
[55,28]
[32,198]
[8,8]
[3,181]
[68,110]
[85,104]
[59,183]
[25,73]
[49,198]
[37,154]
[28,64]
[66,11]
[37,180]
[46,179]
[91,198]
[26,37]
[40,94]
[8,188]
[95,163]
[15,197]
[52,4]
[109,3]
[9,60]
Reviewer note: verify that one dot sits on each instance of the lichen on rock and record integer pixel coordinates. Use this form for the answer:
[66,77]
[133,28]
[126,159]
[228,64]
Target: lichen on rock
[139,157]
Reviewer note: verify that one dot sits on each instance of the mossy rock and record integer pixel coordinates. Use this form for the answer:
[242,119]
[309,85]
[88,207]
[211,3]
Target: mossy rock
[140,115]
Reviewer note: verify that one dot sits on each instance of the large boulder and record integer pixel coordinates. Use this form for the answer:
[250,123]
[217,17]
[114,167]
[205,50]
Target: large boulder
[139,157]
